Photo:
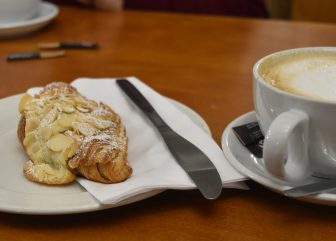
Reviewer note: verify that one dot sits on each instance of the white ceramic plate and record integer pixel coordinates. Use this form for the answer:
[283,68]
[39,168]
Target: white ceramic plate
[47,11]
[252,167]
[17,195]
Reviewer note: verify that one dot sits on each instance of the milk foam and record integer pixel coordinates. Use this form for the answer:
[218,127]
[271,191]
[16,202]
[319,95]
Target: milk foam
[308,74]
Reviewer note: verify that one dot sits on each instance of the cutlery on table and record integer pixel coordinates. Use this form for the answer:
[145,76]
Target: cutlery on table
[194,162]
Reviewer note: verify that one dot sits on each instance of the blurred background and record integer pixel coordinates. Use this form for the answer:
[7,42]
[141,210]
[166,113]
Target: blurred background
[299,10]
[303,10]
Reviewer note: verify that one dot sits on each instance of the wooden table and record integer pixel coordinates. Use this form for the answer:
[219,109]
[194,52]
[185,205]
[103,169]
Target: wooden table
[202,61]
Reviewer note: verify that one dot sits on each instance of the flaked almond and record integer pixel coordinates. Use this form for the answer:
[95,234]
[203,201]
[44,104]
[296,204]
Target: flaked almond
[66,120]
[57,128]
[71,150]
[33,148]
[59,142]
[92,104]
[26,98]
[29,139]
[84,128]
[46,132]
[83,109]
[32,106]
[102,124]
[67,108]
[50,117]
[31,124]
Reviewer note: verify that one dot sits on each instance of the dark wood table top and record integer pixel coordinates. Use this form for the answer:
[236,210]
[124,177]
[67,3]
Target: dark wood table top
[204,62]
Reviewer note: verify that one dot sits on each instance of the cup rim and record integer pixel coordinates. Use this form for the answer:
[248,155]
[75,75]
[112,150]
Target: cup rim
[261,80]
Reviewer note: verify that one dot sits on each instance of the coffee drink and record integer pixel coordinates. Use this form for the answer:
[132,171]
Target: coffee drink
[294,95]
[310,73]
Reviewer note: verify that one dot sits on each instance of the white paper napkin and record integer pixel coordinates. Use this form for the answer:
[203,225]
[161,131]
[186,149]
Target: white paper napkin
[153,165]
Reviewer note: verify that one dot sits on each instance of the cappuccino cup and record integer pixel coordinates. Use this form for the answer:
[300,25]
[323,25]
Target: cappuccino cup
[295,104]
[12,11]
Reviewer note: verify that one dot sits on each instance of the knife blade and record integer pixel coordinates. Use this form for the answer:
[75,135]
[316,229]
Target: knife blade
[313,188]
[194,162]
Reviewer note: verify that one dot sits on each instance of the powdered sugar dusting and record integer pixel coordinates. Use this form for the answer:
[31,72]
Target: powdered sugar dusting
[29,168]
[112,139]
[101,112]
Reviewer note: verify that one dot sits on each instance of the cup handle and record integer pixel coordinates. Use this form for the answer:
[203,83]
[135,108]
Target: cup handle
[285,150]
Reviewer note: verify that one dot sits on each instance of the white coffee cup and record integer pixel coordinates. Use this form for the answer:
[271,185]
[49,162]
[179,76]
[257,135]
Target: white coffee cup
[295,104]
[12,11]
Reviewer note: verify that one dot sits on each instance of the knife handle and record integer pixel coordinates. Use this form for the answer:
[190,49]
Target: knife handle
[143,104]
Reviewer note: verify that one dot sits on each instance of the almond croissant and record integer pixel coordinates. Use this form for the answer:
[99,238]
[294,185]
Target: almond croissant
[65,134]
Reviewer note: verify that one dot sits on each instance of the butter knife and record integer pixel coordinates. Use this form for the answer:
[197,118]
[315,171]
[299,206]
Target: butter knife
[310,189]
[194,162]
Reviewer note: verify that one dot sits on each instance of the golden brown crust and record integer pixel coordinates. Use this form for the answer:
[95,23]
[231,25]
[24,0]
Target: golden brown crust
[81,137]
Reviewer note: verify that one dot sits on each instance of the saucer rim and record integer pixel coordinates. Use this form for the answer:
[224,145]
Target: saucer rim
[321,198]
[40,18]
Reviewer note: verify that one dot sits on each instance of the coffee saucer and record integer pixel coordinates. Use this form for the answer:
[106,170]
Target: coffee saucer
[47,12]
[252,167]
